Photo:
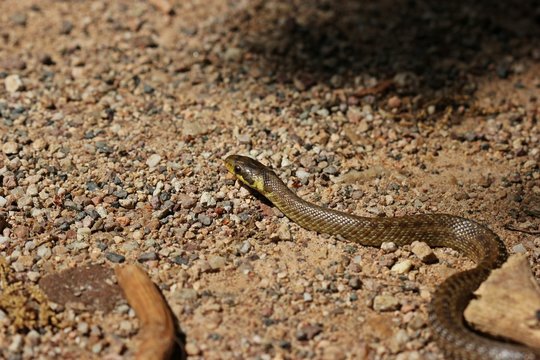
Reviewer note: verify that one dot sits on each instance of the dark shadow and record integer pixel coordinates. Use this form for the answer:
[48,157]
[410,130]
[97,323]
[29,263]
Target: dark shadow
[179,351]
[434,47]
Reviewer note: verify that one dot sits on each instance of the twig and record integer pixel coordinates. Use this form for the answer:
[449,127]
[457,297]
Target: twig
[157,333]
[515,228]
[379,88]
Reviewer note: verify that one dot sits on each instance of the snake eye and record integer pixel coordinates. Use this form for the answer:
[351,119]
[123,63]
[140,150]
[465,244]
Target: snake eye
[237,169]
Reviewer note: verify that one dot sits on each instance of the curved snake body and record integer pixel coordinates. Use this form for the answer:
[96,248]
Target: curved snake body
[468,237]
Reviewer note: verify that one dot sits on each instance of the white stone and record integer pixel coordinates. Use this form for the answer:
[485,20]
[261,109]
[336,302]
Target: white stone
[10,148]
[402,267]
[13,83]
[153,160]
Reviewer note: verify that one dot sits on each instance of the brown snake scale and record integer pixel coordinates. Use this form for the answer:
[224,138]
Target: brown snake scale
[468,237]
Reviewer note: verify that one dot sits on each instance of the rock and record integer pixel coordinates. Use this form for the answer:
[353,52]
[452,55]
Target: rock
[153,160]
[530,164]
[519,249]
[205,219]
[283,233]
[83,327]
[308,332]
[302,175]
[385,303]
[44,252]
[186,201]
[24,201]
[217,262]
[493,309]
[114,257]
[423,252]
[399,340]
[16,343]
[485,181]
[207,199]
[83,233]
[355,283]
[149,256]
[233,54]
[394,102]
[244,139]
[245,247]
[10,148]
[33,276]
[363,126]
[185,294]
[21,232]
[13,83]
[461,195]
[192,349]
[330,170]
[388,247]
[402,267]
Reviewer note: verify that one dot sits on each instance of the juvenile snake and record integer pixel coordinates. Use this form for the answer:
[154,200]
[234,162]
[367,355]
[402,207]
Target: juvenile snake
[470,238]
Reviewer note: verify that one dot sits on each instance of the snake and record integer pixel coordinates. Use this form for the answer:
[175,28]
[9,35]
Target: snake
[445,315]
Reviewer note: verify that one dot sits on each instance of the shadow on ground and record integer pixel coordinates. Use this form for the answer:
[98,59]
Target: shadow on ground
[437,45]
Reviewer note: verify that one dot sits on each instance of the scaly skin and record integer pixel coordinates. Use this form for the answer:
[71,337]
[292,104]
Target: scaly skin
[450,299]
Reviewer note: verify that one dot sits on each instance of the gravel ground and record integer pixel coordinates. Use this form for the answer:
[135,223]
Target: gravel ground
[115,118]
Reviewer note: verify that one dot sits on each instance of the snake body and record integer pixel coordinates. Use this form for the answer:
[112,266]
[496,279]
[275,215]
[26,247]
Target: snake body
[468,237]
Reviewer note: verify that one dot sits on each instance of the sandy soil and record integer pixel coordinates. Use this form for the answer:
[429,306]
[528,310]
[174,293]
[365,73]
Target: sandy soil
[115,118]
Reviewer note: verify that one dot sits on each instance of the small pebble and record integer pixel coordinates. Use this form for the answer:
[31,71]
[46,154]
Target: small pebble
[192,349]
[461,195]
[233,54]
[205,219]
[153,160]
[388,247]
[244,139]
[114,257]
[186,201]
[33,276]
[283,233]
[394,102]
[83,328]
[385,303]
[96,348]
[44,252]
[423,252]
[10,148]
[245,247]
[302,175]
[330,170]
[207,199]
[402,267]
[355,283]
[13,83]
[519,249]
[149,256]
[16,343]
[216,262]
[308,332]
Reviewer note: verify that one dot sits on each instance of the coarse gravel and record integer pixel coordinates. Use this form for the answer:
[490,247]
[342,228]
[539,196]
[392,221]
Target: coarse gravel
[115,119]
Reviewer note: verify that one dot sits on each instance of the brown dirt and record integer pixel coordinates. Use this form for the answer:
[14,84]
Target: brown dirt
[115,118]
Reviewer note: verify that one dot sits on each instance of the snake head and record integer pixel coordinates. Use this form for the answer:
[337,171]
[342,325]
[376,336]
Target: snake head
[248,171]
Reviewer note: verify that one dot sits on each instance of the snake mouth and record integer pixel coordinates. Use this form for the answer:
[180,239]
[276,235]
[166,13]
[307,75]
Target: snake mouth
[229,165]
